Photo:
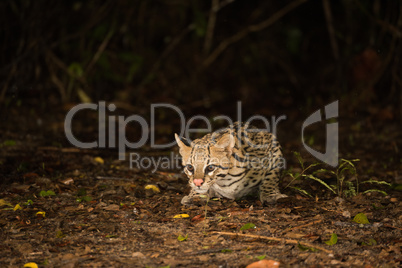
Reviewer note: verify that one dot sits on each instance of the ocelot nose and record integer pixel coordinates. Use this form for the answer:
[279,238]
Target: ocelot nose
[198,182]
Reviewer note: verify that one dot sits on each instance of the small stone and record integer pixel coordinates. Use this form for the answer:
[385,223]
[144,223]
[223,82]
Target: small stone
[377,224]
[393,200]
[112,207]
[339,199]
[346,214]
[67,181]
[138,255]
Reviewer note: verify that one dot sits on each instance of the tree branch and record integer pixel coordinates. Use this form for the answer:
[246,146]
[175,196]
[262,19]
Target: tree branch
[252,28]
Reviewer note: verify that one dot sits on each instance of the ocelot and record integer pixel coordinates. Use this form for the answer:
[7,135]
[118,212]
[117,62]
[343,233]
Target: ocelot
[232,163]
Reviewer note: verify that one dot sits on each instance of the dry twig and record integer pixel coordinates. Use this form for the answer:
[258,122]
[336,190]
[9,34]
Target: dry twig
[305,225]
[287,241]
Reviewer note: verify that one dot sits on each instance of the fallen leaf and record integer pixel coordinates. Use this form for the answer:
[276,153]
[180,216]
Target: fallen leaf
[138,255]
[361,218]
[46,193]
[31,265]
[17,207]
[4,203]
[41,213]
[332,241]
[68,181]
[152,187]
[248,226]
[9,143]
[197,218]
[30,175]
[29,202]
[182,238]
[59,234]
[181,216]
[371,242]
[264,264]
[99,160]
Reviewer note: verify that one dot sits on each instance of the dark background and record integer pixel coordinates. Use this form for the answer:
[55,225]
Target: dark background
[276,57]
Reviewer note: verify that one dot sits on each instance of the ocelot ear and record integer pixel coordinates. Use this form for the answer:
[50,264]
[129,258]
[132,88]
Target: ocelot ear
[227,142]
[182,142]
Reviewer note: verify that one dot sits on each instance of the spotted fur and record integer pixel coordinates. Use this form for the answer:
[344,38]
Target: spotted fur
[233,163]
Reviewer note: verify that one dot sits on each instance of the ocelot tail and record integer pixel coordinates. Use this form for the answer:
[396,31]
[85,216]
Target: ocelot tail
[232,163]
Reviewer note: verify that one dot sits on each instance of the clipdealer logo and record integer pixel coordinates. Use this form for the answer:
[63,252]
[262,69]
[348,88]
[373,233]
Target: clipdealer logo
[108,138]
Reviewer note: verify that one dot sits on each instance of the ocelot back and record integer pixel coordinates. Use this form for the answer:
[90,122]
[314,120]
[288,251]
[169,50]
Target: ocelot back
[232,163]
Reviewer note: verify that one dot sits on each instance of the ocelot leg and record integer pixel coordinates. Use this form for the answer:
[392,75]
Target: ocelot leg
[269,191]
[187,200]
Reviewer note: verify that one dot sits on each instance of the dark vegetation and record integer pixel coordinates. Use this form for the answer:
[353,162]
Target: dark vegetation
[275,57]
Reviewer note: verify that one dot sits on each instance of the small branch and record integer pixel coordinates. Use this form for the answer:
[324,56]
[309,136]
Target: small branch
[224,3]
[52,58]
[330,25]
[172,45]
[112,178]
[287,241]
[390,226]
[252,28]
[387,26]
[211,26]
[55,80]
[100,50]
[7,82]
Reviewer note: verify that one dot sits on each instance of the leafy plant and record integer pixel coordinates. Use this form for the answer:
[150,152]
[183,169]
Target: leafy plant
[344,173]
[304,175]
[346,167]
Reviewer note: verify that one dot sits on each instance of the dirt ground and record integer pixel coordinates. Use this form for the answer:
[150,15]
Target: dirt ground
[61,206]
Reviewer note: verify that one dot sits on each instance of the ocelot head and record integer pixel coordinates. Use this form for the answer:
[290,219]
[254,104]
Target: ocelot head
[204,160]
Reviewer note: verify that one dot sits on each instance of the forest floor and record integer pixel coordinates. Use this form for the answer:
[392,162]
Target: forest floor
[61,206]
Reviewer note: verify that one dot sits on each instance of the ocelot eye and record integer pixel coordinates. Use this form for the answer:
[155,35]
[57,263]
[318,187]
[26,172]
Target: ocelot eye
[210,168]
[190,168]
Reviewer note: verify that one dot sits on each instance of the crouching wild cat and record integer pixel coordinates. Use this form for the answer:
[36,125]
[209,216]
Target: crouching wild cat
[233,163]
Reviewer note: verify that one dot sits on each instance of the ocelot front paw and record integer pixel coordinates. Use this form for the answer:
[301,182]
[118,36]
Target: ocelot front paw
[268,199]
[187,200]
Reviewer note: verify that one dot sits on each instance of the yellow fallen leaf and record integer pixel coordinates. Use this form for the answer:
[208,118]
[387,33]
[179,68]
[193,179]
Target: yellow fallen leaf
[30,265]
[181,216]
[41,213]
[99,160]
[4,203]
[152,187]
[17,207]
